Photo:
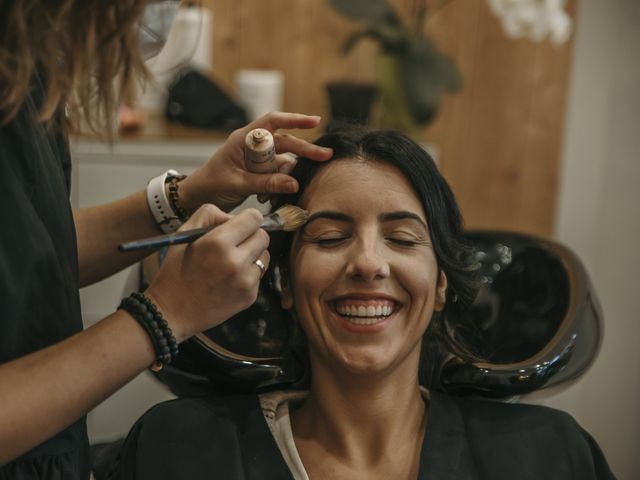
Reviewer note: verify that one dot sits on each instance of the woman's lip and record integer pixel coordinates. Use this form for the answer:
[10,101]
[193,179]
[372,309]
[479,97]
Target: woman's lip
[365,297]
[356,328]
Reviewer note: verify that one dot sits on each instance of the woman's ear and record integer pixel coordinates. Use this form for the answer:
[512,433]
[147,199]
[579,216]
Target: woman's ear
[441,292]
[286,299]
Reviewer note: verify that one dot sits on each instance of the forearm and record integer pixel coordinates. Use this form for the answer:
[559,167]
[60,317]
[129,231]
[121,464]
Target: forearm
[222,181]
[48,390]
[198,287]
[100,229]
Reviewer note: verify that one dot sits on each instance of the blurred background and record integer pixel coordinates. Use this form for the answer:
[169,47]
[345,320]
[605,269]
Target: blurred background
[532,117]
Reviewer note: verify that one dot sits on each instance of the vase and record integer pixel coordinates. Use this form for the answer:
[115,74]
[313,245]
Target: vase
[393,111]
[350,102]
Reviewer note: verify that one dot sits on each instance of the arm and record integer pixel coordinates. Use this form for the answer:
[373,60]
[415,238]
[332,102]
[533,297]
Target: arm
[99,231]
[223,181]
[199,286]
[48,390]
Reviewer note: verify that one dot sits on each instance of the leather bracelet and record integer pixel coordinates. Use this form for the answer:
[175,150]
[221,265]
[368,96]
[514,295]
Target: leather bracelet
[150,318]
[159,204]
[174,198]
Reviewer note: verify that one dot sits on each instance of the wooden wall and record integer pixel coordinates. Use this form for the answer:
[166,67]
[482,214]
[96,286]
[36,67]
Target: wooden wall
[499,139]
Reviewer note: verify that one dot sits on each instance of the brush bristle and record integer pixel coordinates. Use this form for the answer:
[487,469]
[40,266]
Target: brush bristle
[292,217]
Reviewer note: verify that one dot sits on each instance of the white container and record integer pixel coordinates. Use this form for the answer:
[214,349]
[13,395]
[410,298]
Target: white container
[190,43]
[259,151]
[260,91]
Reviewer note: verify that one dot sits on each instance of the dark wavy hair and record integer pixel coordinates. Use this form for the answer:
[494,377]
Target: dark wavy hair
[454,254]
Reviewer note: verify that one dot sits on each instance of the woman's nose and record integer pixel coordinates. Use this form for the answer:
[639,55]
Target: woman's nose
[367,260]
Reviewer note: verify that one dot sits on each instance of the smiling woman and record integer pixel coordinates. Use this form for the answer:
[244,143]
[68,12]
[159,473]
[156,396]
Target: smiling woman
[381,260]
[363,274]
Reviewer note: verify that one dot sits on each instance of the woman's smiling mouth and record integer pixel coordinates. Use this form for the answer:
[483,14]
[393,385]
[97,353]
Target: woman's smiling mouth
[358,311]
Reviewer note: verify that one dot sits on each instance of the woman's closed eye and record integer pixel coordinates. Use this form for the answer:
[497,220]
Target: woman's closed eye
[326,239]
[402,242]
[406,239]
[330,241]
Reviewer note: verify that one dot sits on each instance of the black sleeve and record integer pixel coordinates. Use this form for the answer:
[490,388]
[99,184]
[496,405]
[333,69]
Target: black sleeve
[178,440]
[601,470]
[584,456]
[528,442]
[213,438]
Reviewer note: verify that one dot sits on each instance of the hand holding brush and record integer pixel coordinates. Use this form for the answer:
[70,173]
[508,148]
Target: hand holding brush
[288,218]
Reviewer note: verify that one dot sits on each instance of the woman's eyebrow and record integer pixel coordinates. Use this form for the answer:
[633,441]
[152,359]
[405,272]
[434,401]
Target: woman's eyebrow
[330,215]
[385,217]
[403,215]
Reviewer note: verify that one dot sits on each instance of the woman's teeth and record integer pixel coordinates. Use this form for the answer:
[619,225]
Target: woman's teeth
[364,314]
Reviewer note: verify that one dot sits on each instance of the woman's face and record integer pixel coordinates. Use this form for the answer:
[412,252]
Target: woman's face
[363,275]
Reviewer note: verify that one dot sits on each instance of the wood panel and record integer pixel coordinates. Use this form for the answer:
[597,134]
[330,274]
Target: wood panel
[301,38]
[499,139]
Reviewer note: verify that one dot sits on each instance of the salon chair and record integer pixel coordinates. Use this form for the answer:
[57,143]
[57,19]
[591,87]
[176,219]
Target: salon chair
[536,323]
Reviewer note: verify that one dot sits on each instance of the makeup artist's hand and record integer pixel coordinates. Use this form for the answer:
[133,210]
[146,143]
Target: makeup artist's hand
[202,284]
[224,180]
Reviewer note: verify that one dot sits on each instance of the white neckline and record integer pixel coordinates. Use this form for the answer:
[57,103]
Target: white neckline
[275,408]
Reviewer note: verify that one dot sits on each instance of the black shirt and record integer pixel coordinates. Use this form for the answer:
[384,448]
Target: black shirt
[39,297]
[227,437]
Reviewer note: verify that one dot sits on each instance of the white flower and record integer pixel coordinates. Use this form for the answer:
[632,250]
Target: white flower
[533,19]
[500,7]
[559,27]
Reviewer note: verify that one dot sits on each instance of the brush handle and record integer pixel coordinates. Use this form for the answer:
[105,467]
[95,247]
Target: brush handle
[159,241]
[270,223]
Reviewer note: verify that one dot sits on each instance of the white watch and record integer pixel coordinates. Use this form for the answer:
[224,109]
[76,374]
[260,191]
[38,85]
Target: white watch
[159,204]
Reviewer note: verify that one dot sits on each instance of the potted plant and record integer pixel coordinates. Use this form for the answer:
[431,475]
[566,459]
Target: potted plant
[412,74]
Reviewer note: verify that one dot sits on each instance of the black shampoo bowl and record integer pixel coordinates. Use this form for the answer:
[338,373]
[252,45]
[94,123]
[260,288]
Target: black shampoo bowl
[536,323]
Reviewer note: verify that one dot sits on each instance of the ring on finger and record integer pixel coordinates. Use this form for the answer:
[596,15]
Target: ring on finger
[260,264]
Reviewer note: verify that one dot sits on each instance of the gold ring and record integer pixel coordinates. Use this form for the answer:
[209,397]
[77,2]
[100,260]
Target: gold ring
[261,266]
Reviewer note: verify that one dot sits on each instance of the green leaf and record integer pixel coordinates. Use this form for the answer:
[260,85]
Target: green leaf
[373,11]
[427,73]
[391,39]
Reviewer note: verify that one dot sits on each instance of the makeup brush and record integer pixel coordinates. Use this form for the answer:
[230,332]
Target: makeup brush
[287,218]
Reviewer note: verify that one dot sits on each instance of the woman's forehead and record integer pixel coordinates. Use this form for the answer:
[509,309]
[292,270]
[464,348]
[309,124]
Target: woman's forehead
[361,181]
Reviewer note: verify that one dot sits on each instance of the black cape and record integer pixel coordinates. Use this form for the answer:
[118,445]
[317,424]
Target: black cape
[38,272]
[226,437]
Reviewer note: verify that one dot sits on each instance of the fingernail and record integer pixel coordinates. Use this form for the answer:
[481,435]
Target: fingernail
[316,117]
[291,187]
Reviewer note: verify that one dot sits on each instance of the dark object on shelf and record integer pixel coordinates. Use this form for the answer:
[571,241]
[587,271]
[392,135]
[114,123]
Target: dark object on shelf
[195,100]
[536,322]
[350,102]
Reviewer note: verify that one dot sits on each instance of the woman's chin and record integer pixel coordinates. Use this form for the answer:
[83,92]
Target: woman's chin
[365,361]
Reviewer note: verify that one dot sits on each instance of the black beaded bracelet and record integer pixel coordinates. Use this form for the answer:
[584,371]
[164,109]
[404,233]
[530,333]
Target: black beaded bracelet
[150,318]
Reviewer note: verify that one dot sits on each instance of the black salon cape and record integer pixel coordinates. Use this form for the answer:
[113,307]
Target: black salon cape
[39,299]
[228,438]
